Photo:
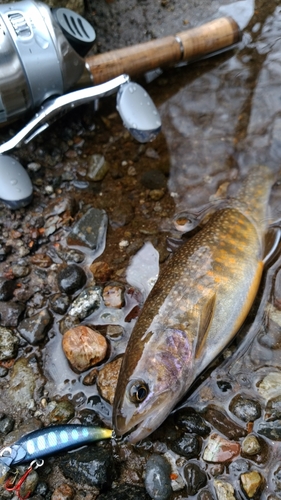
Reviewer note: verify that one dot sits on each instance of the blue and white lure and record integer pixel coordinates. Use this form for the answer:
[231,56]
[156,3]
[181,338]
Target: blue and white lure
[39,444]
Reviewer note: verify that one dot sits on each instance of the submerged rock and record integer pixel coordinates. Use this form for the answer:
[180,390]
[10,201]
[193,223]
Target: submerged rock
[219,449]
[71,278]
[90,230]
[84,347]
[157,478]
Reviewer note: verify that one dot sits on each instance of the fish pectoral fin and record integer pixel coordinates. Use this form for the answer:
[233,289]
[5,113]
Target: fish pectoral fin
[272,240]
[206,315]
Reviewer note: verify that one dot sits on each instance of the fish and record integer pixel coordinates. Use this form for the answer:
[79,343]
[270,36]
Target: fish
[200,300]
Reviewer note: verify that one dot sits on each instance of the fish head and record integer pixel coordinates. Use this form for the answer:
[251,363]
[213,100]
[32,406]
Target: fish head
[147,392]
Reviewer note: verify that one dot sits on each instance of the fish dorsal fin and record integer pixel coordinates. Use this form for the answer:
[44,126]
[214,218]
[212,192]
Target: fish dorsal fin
[206,316]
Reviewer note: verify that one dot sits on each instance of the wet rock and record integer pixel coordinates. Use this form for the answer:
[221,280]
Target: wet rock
[195,478]
[250,445]
[245,409]
[271,430]
[63,492]
[270,386]
[114,331]
[41,489]
[157,478]
[8,344]
[6,424]
[188,445]
[224,386]
[60,205]
[224,490]
[71,278]
[61,413]
[102,272]
[41,260]
[7,288]
[91,377]
[35,329]
[107,379]
[70,254]
[125,492]
[224,424]
[97,168]
[3,371]
[84,347]
[93,466]
[154,179]
[90,230]
[59,302]
[113,295]
[271,338]
[251,483]
[22,384]
[10,313]
[219,449]
[87,302]
[191,422]
[273,409]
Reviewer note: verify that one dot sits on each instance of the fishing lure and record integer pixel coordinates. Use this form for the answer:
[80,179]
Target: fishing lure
[45,442]
[34,446]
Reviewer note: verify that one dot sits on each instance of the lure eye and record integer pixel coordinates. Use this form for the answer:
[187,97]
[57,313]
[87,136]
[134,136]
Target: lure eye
[138,392]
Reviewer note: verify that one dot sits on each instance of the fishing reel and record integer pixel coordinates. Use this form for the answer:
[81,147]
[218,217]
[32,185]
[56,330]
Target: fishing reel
[41,55]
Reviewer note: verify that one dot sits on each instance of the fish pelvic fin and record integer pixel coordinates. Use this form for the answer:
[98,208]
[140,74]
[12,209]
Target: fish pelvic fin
[206,317]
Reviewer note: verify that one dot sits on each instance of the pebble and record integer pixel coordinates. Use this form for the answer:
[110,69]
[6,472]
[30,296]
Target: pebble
[195,478]
[29,485]
[270,386]
[107,379]
[41,260]
[23,380]
[6,424]
[87,302]
[250,445]
[93,466]
[271,338]
[224,490]
[34,329]
[219,449]
[113,295]
[273,409]
[224,424]
[277,290]
[251,483]
[68,322]
[245,409]
[121,216]
[84,347]
[20,270]
[102,272]
[7,288]
[157,477]
[8,344]
[59,302]
[238,466]
[61,205]
[90,230]
[190,421]
[205,495]
[71,278]
[188,445]
[97,168]
[61,412]
[277,478]
[63,492]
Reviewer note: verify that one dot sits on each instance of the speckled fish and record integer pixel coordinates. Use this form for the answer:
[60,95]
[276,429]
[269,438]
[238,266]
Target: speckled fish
[197,305]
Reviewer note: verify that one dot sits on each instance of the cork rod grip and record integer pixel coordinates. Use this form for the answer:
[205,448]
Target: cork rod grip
[187,45]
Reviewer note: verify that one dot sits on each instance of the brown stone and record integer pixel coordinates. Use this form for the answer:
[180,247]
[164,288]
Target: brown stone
[107,379]
[84,347]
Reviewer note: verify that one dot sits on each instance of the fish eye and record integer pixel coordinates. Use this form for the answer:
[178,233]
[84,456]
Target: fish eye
[138,391]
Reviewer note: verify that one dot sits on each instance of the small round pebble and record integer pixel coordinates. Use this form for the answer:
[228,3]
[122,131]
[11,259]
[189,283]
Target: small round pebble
[195,478]
[8,344]
[7,288]
[187,445]
[250,445]
[157,478]
[107,379]
[84,347]
[71,278]
[59,302]
[245,409]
